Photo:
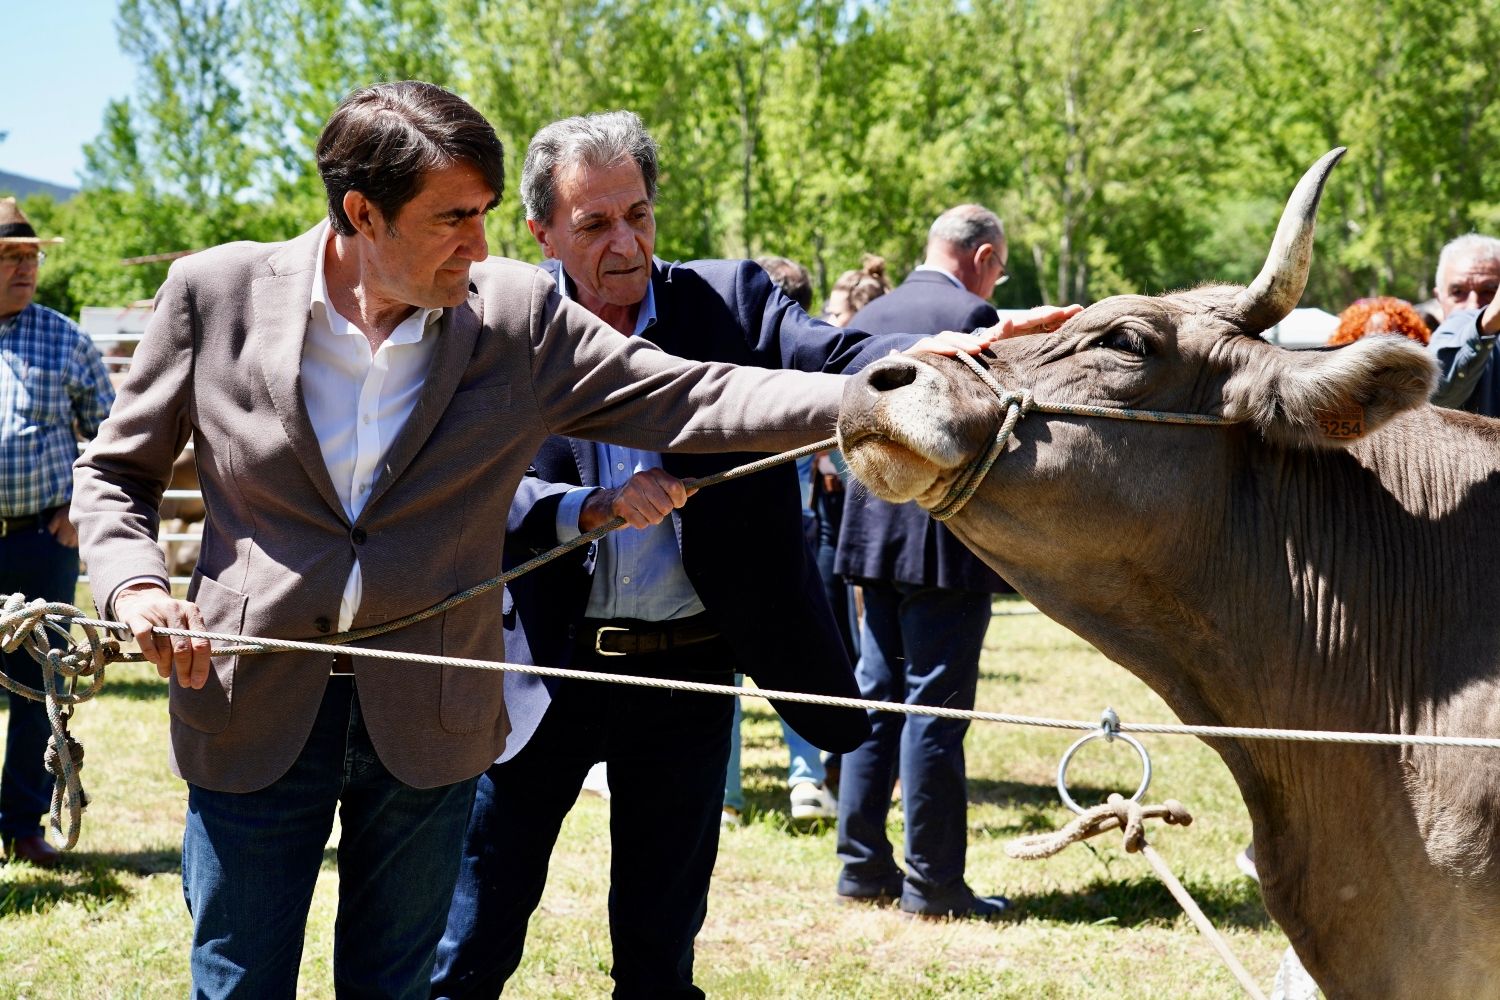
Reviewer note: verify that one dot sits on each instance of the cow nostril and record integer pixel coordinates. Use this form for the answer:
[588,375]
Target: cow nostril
[892,374]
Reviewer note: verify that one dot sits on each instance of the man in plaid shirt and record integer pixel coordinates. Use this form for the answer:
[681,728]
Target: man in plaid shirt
[53,389]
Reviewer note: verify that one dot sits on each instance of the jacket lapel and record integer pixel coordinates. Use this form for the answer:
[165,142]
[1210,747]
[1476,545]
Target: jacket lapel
[458,331]
[279,308]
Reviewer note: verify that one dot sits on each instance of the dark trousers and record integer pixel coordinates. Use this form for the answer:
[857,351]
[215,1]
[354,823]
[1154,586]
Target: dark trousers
[830,510]
[35,564]
[920,646]
[250,861]
[666,753]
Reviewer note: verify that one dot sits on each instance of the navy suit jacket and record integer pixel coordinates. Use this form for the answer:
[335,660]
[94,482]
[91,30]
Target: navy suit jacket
[900,542]
[742,542]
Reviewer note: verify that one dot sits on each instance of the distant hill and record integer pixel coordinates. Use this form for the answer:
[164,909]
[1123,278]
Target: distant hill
[25,187]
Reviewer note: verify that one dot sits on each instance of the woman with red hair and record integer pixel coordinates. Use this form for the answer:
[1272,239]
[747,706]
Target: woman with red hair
[1379,315]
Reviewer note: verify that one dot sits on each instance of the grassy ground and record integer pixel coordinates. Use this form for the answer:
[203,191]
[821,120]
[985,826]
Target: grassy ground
[1093,922]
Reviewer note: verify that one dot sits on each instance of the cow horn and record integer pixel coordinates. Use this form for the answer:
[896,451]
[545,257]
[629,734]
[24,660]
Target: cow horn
[1278,287]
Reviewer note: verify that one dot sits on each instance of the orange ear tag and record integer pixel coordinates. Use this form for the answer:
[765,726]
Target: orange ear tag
[1342,425]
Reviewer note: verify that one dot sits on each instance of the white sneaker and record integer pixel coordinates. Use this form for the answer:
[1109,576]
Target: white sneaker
[810,800]
[596,782]
[730,819]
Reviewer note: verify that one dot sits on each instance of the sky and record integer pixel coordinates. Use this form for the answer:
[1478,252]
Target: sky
[65,66]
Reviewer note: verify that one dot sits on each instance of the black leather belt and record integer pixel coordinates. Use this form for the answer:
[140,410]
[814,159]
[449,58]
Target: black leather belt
[26,522]
[343,664]
[626,637]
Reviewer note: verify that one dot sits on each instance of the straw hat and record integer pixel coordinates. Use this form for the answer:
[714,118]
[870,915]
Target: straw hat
[15,229]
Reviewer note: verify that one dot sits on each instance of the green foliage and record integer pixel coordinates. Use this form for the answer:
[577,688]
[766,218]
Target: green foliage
[1129,147]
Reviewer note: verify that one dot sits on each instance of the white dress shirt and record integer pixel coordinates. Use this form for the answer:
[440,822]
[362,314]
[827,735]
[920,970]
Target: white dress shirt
[358,402]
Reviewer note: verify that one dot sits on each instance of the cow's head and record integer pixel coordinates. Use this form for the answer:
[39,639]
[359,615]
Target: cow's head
[910,425]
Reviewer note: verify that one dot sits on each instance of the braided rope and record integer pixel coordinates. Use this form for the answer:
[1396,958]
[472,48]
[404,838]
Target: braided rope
[1128,816]
[588,537]
[829,701]
[26,625]
[1015,404]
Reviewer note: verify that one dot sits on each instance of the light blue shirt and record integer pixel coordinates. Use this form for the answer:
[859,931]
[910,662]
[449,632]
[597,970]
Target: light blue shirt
[638,573]
[945,273]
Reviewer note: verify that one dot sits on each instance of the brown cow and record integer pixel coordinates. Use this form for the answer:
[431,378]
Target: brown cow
[1260,574]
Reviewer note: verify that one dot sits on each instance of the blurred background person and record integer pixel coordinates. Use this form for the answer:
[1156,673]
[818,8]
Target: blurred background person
[855,289]
[1468,274]
[1383,314]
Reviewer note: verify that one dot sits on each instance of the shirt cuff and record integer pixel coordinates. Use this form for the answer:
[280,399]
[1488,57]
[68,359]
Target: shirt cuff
[109,606]
[568,510]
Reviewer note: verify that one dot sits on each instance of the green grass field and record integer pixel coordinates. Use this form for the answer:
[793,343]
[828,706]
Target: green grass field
[1092,922]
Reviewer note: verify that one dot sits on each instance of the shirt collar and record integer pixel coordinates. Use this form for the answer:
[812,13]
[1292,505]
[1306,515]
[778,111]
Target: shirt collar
[320,306]
[943,271]
[645,316]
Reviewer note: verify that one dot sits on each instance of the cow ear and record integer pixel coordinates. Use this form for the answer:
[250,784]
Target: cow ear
[1329,398]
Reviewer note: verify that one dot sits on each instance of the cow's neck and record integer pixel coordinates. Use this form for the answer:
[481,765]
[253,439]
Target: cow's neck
[1305,597]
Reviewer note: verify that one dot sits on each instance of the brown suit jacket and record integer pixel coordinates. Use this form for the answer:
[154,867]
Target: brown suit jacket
[515,363]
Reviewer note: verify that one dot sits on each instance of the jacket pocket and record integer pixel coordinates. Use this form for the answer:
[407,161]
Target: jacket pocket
[207,710]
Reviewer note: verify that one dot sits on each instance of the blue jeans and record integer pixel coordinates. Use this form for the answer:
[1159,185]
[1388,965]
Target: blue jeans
[920,645]
[250,860]
[805,761]
[36,564]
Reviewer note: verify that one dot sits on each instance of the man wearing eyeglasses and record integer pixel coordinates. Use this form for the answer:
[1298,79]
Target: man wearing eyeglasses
[1468,274]
[927,606]
[53,386]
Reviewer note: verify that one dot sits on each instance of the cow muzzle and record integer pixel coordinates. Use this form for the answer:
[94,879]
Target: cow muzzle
[899,431]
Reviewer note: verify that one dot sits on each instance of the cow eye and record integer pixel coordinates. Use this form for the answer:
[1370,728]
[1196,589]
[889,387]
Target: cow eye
[1125,340]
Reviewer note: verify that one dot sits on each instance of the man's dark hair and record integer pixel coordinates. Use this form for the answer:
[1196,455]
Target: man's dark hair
[598,140]
[381,140]
[791,277]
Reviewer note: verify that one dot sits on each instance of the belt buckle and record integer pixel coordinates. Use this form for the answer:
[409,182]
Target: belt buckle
[599,637]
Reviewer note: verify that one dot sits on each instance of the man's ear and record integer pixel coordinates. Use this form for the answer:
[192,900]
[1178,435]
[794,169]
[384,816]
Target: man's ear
[362,213]
[1329,398]
[541,233]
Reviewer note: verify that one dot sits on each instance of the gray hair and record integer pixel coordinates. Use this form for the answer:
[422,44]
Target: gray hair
[967,226]
[598,140]
[1470,245]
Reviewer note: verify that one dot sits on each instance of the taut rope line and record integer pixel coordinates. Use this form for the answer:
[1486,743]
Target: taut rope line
[262,644]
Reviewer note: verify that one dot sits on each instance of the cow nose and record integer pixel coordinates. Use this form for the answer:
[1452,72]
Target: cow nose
[891,374]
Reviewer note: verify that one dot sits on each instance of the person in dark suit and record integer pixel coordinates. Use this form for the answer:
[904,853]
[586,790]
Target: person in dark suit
[724,584]
[927,605]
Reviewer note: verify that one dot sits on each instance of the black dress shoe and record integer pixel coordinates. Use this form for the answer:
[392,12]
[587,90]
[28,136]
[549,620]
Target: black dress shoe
[976,908]
[32,848]
[887,890]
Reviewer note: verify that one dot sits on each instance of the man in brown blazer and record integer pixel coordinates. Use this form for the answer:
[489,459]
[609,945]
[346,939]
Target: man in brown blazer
[363,401]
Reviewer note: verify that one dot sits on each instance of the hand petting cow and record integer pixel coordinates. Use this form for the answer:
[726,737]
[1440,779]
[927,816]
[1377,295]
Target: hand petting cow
[1322,562]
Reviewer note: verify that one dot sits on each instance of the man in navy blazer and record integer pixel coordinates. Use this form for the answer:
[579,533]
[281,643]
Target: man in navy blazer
[927,606]
[725,584]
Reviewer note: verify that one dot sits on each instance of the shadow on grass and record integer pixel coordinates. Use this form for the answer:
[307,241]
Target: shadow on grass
[133,688]
[1143,900]
[87,878]
[1019,794]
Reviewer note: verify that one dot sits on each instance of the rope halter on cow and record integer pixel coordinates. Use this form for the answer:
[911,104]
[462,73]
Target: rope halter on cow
[1015,404]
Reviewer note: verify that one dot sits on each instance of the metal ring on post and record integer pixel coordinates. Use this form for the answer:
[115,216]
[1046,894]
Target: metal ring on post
[1067,758]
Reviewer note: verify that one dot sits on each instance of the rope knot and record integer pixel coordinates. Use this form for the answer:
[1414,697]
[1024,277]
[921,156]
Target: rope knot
[1116,813]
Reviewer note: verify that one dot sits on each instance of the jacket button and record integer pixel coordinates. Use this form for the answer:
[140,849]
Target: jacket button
[357,536]
[323,624]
